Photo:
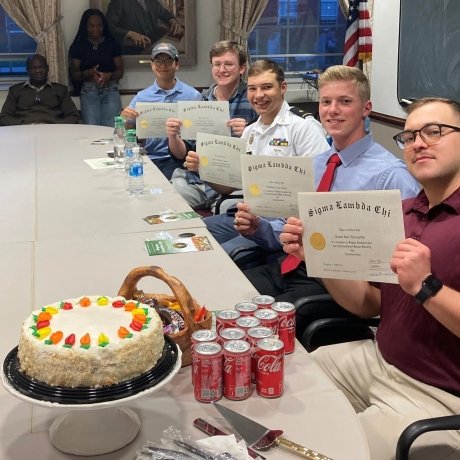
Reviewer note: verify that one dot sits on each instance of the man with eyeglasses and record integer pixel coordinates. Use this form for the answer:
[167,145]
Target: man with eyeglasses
[412,370]
[228,65]
[38,100]
[166,88]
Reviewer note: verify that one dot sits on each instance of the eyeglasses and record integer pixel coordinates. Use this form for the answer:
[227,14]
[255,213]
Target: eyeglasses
[166,62]
[430,134]
[225,65]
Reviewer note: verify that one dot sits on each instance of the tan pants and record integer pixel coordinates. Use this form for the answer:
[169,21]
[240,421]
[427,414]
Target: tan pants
[387,401]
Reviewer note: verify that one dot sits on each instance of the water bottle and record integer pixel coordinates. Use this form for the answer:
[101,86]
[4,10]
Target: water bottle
[129,145]
[119,144]
[136,173]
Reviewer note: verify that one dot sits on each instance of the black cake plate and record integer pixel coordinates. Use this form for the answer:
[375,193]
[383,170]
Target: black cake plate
[20,384]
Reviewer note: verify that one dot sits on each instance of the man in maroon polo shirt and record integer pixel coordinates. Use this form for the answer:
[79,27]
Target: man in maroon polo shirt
[412,370]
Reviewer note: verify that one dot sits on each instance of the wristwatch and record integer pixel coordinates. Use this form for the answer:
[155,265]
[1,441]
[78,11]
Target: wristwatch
[430,287]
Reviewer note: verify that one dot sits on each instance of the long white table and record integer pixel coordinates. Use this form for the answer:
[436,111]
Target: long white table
[68,230]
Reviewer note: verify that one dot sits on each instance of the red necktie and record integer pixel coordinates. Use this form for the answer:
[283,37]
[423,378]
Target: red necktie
[291,262]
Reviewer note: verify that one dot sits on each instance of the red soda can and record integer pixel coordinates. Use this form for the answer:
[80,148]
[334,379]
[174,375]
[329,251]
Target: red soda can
[253,335]
[201,336]
[230,333]
[207,367]
[263,301]
[269,370]
[268,318]
[246,322]
[237,369]
[286,331]
[226,318]
[246,308]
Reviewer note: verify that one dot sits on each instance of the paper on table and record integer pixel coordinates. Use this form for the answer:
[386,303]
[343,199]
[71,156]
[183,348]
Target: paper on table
[220,158]
[351,235]
[203,116]
[100,163]
[227,444]
[152,118]
[178,245]
[271,184]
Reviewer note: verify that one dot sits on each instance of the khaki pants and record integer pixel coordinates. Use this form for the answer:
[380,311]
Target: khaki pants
[387,401]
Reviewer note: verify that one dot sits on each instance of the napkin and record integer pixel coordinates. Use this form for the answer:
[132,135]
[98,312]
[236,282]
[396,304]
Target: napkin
[227,444]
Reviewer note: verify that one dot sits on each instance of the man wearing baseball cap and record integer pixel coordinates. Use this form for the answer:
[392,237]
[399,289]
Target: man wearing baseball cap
[166,88]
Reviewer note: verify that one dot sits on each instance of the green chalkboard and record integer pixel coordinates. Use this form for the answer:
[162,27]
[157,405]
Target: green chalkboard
[429,49]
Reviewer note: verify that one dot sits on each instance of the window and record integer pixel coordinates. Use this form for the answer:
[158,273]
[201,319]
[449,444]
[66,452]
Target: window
[15,46]
[301,35]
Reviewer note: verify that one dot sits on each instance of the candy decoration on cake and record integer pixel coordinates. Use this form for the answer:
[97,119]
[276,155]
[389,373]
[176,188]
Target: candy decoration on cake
[66,306]
[85,341]
[123,333]
[102,340]
[118,303]
[85,302]
[69,341]
[103,300]
[55,338]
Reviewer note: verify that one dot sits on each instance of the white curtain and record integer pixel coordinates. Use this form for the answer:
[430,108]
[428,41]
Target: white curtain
[238,18]
[41,19]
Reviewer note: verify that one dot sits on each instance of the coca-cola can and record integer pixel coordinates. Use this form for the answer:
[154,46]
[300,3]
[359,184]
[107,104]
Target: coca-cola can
[230,333]
[268,318]
[253,335]
[246,322]
[201,336]
[263,301]
[207,361]
[246,308]
[226,318]
[237,369]
[269,370]
[286,331]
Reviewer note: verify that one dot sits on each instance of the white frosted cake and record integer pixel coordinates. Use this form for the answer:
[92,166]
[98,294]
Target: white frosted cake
[90,341]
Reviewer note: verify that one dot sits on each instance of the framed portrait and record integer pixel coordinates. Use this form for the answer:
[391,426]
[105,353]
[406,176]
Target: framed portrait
[140,24]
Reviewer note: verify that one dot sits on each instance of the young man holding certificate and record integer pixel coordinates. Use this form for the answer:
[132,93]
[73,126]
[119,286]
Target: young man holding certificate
[166,88]
[228,65]
[412,370]
[278,132]
[344,104]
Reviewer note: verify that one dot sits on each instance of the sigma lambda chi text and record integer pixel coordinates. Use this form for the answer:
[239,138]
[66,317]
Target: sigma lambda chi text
[279,165]
[203,106]
[376,209]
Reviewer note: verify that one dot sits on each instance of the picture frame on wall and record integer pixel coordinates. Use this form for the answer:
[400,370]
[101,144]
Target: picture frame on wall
[140,24]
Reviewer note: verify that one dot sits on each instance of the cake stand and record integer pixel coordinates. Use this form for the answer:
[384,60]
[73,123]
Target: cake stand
[97,424]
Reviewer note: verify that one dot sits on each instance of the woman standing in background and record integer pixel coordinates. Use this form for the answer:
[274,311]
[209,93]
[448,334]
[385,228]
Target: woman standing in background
[96,66]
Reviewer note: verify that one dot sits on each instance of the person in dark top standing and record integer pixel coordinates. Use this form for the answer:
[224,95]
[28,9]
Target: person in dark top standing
[138,24]
[96,66]
[38,100]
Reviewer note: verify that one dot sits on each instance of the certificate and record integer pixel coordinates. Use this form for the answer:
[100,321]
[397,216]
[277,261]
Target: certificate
[271,184]
[351,235]
[220,158]
[205,117]
[152,118]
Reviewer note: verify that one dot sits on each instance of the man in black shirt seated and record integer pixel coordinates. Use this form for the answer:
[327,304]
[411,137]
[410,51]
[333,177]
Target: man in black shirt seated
[38,100]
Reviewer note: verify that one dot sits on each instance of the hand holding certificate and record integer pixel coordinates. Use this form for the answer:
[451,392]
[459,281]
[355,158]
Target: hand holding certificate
[220,159]
[152,118]
[351,235]
[209,117]
[271,184]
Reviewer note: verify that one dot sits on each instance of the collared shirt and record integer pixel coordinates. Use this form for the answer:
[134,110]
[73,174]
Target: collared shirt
[26,104]
[409,337]
[366,165]
[158,147]
[288,135]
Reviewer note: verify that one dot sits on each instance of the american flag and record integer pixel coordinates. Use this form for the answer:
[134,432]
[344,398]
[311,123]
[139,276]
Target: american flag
[358,39]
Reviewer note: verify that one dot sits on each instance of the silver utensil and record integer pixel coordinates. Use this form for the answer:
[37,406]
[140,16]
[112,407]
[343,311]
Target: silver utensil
[262,438]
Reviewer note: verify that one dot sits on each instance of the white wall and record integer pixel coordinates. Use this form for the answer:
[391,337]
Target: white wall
[385,36]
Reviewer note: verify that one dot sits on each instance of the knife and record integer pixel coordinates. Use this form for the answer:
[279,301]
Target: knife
[259,437]
[207,428]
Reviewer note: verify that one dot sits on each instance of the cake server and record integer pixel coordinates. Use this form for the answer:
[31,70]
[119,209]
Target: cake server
[207,428]
[259,437]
